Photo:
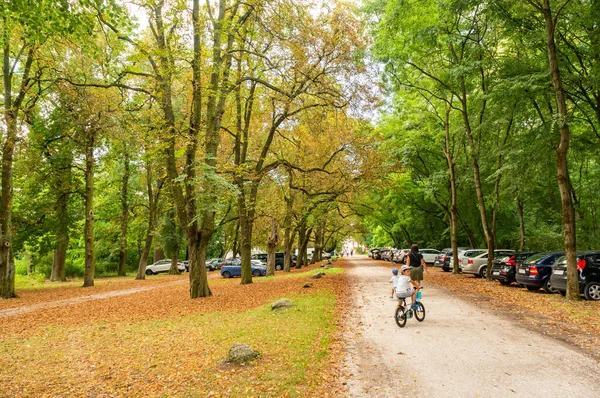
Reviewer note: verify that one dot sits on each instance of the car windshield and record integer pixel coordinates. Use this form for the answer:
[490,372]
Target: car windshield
[535,257]
[473,253]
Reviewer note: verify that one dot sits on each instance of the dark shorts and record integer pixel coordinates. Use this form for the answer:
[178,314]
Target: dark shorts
[416,273]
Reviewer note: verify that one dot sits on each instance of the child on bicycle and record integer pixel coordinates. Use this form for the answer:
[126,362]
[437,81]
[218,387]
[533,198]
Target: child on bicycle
[405,287]
[394,281]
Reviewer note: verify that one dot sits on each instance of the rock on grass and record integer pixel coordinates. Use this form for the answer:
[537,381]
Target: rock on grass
[241,353]
[281,303]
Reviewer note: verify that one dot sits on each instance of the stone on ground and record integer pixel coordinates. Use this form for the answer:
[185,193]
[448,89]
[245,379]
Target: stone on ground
[281,303]
[241,353]
[318,275]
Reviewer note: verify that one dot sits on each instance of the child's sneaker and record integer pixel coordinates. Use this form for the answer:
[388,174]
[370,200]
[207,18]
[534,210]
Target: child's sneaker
[414,306]
[391,297]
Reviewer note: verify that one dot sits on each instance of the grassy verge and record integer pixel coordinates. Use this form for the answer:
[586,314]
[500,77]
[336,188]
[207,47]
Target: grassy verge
[178,356]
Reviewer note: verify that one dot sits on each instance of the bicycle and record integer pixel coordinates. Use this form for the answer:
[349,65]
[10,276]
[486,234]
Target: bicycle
[402,313]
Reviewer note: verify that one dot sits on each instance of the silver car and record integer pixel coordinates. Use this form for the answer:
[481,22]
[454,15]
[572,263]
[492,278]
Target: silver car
[475,261]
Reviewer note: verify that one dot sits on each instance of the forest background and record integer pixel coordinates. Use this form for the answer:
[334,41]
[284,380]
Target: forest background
[202,128]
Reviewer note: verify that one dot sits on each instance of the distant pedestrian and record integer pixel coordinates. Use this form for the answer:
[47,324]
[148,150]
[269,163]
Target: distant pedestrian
[417,264]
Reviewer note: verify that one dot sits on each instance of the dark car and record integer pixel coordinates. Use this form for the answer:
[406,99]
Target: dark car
[588,265]
[376,254]
[279,257]
[505,268]
[534,273]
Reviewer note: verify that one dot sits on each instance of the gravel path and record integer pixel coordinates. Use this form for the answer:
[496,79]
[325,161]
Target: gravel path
[81,299]
[460,350]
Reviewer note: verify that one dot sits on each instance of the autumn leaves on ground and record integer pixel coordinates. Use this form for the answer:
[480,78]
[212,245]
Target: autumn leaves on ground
[158,342]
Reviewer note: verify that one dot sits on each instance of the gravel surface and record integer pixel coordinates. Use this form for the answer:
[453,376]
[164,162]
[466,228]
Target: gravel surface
[460,350]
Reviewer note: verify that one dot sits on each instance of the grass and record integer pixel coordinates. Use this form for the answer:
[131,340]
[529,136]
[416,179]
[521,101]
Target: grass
[181,356]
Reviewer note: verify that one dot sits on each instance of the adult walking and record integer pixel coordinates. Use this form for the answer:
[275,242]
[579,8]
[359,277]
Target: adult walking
[417,265]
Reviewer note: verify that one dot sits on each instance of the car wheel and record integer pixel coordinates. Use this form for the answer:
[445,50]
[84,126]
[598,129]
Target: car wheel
[592,291]
[532,288]
[548,287]
[504,283]
[482,272]
[562,292]
[279,267]
[256,273]
[149,272]
[226,274]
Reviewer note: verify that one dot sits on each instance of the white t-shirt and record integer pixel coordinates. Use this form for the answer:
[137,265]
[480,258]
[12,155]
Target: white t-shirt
[394,281]
[403,285]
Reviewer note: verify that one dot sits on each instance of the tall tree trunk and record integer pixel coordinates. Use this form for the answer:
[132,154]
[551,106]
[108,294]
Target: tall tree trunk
[124,215]
[158,254]
[153,196]
[303,248]
[197,246]
[287,232]
[453,206]
[90,266]
[489,237]
[521,223]
[246,248]
[62,239]
[236,239]
[271,247]
[174,269]
[562,171]
[301,238]
[319,238]
[11,112]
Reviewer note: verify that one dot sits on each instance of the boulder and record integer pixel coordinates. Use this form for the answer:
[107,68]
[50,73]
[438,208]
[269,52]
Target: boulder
[241,353]
[328,266]
[281,303]
[307,285]
[318,275]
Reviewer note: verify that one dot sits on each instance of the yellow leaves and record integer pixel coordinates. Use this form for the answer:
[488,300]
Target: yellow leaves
[160,343]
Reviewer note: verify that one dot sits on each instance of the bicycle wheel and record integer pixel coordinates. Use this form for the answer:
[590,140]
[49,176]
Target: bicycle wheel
[420,312]
[400,316]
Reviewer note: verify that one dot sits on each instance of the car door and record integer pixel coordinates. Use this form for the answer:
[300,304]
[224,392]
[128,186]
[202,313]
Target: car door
[164,265]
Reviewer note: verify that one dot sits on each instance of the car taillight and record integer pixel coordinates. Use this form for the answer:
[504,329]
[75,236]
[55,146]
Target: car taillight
[581,264]
[533,271]
[511,261]
[470,261]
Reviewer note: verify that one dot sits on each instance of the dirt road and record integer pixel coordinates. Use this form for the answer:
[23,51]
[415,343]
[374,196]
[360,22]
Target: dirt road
[460,350]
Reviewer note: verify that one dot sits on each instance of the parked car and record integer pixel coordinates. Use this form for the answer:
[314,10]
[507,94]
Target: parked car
[234,268]
[588,265]
[535,272]
[429,255]
[402,255]
[476,264]
[386,254]
[448,264]
[443,259]
[258,263]
[211,264]
[163,266]
[279,257]
[214,264]
[505,268]
[376,254]
[397,255]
